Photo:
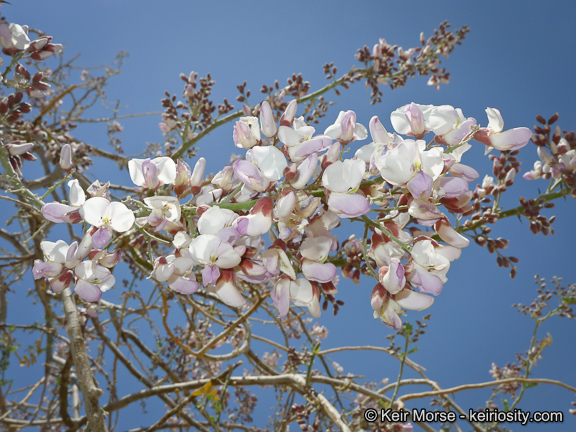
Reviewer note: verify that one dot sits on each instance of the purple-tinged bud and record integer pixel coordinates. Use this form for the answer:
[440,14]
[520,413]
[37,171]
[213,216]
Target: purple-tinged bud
[29,157]
[288,117]
[378,296]
[224,178]
[198,175]
[267,124]
[39,43]
[348,126]
[509,179]
[415,118]
[332,155]
[66,158]
[182,180]
[21,70]
[378,132]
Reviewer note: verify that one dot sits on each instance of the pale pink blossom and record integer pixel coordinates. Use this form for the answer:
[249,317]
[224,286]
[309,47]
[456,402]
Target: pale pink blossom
[14,36]
[107,217]
[246,132]
[93,280]
[493,136]
[345,129]
[59,213]
[259,221]
[300,292]
[152,173]
[412,119]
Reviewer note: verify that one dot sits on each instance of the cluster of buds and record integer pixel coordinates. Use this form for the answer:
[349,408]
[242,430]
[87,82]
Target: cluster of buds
[12,107]
[17,153]
[557,152]
[295,186]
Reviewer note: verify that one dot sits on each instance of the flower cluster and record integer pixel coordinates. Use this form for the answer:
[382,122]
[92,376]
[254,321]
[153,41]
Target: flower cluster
[86,265]
[294,186]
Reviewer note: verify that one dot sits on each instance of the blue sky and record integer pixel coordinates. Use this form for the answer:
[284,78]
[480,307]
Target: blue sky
[519,57]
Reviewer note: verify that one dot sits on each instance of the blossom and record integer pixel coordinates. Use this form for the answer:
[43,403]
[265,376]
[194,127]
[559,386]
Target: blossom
[493,135]
[429,268]
[58,213]
[177,272]
[93,280]
[388,307]
[342,179]
[107,216]
[259,221]
[14,36]
[300,142]
[152,173]
[263,165]
[412,119]
[215,220]
[165,212]
[226,290]
[345,129]
[400,164]
[300,292]
[450,125]
[246,132]
[314,252]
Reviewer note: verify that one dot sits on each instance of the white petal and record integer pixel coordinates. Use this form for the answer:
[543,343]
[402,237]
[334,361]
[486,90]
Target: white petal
[495,121]
[77,195]
[95,210]
[413,300]
[121,217]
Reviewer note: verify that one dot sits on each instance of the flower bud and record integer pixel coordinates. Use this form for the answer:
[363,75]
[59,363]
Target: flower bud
[66,158]
[198,175]
[19,149]
[182,180]
[288,117]
[267,124]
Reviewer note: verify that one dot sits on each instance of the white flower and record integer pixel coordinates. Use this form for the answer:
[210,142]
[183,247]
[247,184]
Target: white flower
[345,129]
[100,212]
[14,36]
[208,249]
[93,280]
[152,173]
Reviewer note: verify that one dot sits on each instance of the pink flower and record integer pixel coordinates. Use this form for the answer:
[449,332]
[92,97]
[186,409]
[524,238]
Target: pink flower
[388,307]
[300,292]
[412,119]
[92,281]
[59,213]
[493,135]
[259,221]
[152,173]
[345,129]
[246,132]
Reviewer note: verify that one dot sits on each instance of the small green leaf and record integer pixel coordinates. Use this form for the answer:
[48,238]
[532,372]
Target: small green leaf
[413,350]
[569,300]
